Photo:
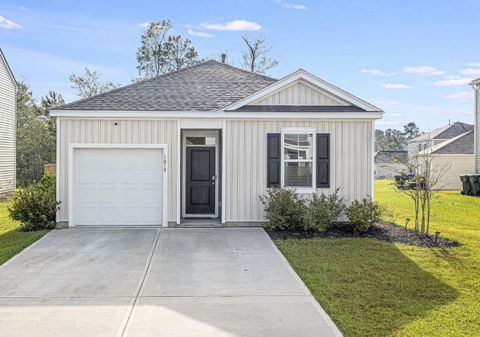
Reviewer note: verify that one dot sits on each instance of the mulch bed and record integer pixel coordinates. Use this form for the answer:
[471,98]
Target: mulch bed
[384,231]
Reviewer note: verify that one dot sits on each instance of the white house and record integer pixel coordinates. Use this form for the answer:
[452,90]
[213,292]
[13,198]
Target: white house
[205,142]
[8,109]
[390,163]
[476,87]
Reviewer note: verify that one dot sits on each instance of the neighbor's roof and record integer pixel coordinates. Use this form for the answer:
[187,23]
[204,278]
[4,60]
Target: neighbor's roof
[462,144]
[446,132]
[9,70]
[207,86]
[391,157]
[477,81]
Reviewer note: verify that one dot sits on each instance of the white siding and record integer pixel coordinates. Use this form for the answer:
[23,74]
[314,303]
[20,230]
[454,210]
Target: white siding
[477,129]
[7,130]
[300,93]
[126,132]
[453,165]
[351,161]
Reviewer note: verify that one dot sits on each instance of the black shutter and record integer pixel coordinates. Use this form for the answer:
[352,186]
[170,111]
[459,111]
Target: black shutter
[273,160]
[323,160]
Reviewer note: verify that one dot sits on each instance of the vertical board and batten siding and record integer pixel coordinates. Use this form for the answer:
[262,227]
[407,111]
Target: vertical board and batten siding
[477,130]
[126,132]
[246,161]
[7,130]
[300,93]
[452,165]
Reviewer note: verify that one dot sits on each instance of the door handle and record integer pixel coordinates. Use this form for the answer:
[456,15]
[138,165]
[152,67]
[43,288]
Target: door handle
[213,179]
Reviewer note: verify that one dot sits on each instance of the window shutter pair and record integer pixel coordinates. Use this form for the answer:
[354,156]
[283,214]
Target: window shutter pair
[322,159]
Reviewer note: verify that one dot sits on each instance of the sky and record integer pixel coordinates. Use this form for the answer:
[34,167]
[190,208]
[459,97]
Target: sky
[413,59]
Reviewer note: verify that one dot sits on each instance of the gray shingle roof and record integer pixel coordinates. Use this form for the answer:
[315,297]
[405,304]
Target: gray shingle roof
[300,108]
[385,157]
[462,144]
[207,86]
[446,132]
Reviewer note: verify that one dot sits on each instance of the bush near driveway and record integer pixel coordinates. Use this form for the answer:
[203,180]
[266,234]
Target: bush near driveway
[375,288]
[284,209]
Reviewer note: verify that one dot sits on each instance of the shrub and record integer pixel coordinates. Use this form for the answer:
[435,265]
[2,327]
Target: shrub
[362,214]
[323,210]
[284,209]
[35,206]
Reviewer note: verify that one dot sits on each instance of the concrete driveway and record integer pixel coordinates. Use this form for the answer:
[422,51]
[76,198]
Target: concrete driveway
[156,282]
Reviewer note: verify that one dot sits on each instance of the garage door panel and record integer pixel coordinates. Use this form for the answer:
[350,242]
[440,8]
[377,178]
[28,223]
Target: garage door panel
[118,186]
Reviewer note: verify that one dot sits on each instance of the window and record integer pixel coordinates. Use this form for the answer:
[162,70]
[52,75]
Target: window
[200,141]
[298,152]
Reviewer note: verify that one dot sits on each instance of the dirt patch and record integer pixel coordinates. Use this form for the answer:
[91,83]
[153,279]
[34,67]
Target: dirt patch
[384,231]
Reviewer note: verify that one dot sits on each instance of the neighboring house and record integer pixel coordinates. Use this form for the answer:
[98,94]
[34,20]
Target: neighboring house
[8,107]
[390,163]
[437,136]
[452,158]
[476,87]
[205,142]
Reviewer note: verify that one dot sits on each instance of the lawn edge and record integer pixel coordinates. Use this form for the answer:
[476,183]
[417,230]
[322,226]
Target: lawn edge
[23,250]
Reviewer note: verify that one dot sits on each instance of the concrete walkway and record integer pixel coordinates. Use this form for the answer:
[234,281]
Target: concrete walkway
[156,282]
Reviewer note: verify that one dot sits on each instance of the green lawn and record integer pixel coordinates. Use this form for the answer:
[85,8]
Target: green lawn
[13,241]
[374,288]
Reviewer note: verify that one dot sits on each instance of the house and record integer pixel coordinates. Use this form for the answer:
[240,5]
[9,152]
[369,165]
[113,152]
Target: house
[204,142]
[452,158]
[389,163]
[476,87]
[437,136]
[8,108]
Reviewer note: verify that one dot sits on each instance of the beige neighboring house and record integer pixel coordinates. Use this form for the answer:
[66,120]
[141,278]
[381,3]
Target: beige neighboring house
[202,143]
[389,163]
[476,87]
[8,108]
[453,157]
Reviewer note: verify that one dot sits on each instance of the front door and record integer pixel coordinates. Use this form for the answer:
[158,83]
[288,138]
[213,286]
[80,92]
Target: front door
[200,180]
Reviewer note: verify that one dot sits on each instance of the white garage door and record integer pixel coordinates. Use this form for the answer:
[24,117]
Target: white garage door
[118,186]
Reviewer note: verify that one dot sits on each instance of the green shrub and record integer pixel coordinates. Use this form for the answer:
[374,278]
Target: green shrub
[362,214]
[35,206]
[284,209]
[323,210]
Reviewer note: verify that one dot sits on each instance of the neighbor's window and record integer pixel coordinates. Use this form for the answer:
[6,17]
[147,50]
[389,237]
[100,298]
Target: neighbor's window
[298,159]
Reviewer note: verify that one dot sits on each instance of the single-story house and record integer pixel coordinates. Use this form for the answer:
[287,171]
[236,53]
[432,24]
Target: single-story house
[390,163]
[476,87]
[437,136]
[452,158]
[205,142]
[8,113]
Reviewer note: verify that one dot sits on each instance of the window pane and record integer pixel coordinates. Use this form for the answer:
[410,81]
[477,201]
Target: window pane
[298,174]
[305,146]
[290,146]
[201,141]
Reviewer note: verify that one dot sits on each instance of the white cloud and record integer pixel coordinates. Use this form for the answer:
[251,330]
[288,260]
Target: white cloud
[235,25]
[376,72]
[395,114]
[386,102]
[387,123]
[462,96]
[8,24]
[452,81]
[144,24]
[394,86]
[289,5]
[471,71]
[22,8]
[423,70]
[474,64]
[199,34]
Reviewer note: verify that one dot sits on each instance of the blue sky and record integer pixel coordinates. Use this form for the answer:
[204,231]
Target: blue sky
[413,59]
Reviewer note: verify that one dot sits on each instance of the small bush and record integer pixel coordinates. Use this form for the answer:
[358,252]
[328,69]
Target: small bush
[284,209]
[35,206]
[362,214]
[323,210]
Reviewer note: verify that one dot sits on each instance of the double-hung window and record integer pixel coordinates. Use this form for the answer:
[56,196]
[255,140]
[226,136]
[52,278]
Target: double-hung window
[298,158]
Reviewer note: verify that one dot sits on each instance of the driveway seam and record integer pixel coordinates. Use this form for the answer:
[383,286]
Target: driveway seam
[123,326]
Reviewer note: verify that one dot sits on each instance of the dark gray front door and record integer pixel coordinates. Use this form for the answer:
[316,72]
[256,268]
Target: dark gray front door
[200,180]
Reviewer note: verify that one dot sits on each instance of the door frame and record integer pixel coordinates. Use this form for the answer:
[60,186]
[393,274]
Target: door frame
[71,172]
[199,133]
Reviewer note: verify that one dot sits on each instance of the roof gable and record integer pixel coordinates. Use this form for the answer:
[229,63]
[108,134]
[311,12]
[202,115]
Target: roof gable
[462,144]
[9,71]
[313,91]
[207,86]
[445,132]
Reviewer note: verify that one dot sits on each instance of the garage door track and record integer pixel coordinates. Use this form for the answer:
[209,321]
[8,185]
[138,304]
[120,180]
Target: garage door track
[156,282]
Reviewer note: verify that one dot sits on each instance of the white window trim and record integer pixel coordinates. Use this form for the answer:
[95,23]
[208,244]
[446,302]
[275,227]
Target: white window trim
[311,189]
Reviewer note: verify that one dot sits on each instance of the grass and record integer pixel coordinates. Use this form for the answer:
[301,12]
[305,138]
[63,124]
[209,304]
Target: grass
[374,288]
[12,241]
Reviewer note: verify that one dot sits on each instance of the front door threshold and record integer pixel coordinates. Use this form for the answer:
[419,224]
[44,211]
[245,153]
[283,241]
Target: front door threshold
[200,223]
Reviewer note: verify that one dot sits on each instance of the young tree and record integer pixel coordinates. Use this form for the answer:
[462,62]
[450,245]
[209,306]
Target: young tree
[160,52]
[49,101]
[35,142]
[89,84]
[410,131]
[254,58]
